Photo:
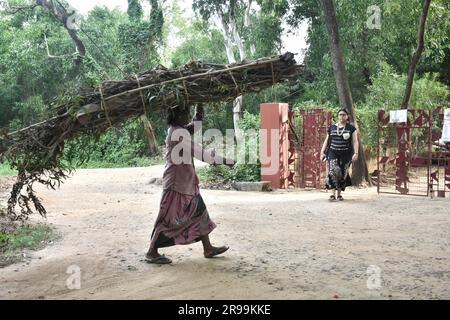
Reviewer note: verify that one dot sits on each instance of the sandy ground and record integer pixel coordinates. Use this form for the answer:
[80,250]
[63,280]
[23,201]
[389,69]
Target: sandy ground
[290,244]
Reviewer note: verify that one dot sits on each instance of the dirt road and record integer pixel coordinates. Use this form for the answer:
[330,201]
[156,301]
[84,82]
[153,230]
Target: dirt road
[284,245]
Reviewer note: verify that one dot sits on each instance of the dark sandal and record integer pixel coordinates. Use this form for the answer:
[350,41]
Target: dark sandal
[158,260]
[332,198]
[216,252]
[340,198]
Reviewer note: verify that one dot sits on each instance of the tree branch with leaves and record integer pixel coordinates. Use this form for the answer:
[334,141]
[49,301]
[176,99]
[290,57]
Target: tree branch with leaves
[66,16]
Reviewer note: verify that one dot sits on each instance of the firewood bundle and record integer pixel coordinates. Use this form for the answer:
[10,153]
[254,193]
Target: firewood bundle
[35,152]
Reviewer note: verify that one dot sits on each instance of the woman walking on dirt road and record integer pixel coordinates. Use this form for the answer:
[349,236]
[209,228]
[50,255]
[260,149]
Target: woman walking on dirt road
[340,148]
[183,217]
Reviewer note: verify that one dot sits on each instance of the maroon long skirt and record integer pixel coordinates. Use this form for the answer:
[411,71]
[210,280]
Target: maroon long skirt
[182,219]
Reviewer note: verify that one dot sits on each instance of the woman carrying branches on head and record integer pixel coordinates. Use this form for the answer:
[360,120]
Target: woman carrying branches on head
[340,148]
[183,217]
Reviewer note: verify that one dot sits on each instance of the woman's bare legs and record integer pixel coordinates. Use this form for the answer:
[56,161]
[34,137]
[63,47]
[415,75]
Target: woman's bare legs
[339,197]
[209,250]
[153,253]
[153,256]
[207,246]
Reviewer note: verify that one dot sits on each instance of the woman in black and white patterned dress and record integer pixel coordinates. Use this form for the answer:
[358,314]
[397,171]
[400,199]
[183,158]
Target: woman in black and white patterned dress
[340,148]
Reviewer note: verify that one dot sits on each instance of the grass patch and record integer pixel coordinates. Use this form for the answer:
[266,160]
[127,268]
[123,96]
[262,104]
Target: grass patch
[31,237]
[6,171]
[15,238]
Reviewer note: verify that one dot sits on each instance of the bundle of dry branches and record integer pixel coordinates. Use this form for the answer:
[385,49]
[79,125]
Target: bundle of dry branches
[35,151]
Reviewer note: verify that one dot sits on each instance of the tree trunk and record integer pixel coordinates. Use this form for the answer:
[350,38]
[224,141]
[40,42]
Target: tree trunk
[247,25]
[416,57]
[230,33]
[360,171]
[237,38]
[228,41]
[150,134]
[61,14]
[365,65]
[237,104]
[337,55]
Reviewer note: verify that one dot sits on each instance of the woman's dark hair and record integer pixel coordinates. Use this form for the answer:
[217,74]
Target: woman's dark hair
[343,110]
[174,113]
[171,116]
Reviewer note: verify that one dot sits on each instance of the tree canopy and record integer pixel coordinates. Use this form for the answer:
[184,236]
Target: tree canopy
[40,65]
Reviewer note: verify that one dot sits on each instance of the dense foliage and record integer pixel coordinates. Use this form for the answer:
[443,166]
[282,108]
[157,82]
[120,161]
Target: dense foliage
[38,70]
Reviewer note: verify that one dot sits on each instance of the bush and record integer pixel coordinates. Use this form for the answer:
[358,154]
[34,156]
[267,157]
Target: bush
[386,92]
[215,174]
[240,172]
[117,147]
[225,174]
[5,170]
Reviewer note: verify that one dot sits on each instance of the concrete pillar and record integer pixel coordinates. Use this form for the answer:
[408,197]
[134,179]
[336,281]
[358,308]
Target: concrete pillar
[274,146]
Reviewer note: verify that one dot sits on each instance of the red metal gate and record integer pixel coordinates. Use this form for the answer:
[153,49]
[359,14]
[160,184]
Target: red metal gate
[439,180]
[308,132]
[406,163]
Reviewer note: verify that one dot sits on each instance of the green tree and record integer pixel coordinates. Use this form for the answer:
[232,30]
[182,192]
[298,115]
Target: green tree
[134,10]
[366,48]
[140,38]
[37,69]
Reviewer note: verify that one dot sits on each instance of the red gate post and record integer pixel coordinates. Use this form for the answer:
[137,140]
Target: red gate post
[275,144]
